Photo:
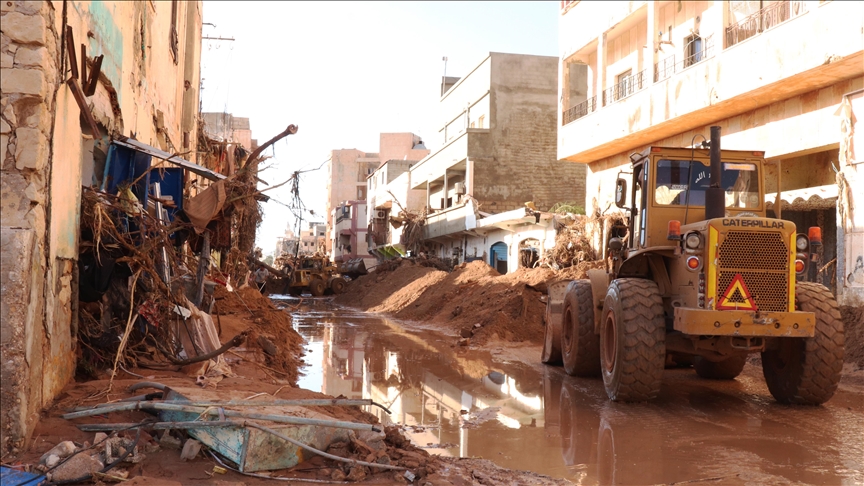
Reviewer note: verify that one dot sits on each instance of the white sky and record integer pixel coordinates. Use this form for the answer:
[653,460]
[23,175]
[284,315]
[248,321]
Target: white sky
[345,72]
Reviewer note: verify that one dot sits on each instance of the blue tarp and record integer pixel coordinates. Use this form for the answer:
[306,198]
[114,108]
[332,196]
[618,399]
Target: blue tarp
[14,477]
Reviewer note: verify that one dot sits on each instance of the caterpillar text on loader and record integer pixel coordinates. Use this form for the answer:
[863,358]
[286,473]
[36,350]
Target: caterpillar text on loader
[698,272]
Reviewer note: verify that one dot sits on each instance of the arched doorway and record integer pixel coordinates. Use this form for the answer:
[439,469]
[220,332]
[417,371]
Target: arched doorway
[498,257]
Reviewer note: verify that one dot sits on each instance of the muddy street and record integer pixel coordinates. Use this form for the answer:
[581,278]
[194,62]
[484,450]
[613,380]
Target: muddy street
[498,402]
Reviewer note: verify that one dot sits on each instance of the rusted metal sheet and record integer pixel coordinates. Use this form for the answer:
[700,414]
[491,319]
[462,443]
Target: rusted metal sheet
[171,159]
[554,312]
[252,449]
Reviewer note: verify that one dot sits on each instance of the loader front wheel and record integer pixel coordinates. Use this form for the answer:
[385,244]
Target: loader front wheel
[806,371]
[317,287]
[580,346]
[632,340]
[338,285]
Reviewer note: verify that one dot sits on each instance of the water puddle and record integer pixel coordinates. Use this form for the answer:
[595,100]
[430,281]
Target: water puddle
[452,401]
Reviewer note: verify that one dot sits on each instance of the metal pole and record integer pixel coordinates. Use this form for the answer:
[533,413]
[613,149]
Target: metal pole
[715,198]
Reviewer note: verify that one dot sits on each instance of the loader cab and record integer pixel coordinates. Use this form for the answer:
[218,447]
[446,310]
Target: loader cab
[677,181]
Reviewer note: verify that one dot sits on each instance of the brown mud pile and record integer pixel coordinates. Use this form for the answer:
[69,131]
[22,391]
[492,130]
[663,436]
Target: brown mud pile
[271,329]
[471,301]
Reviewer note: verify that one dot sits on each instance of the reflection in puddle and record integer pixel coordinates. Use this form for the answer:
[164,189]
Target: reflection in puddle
[449,403]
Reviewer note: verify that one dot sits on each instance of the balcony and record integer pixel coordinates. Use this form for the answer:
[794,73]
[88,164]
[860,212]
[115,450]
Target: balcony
[764,19]
[624,88]
[712,84]
[580,110]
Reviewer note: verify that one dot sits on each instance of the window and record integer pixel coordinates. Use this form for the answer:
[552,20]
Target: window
[624,83]
[174,40]
[692,50]
[740,183]
[361,193]
[480,121]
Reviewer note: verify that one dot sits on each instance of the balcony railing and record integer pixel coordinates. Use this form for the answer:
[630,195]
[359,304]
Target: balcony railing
[696,53]
[664,68]
[624,88]
[580,110]
[764,19]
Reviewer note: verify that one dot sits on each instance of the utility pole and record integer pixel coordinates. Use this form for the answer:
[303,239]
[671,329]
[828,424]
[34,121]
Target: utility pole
[444,78]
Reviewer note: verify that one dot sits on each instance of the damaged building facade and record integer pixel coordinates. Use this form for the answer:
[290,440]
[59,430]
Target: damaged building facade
[496,156]
[75,76]
[350,180]
[783,77]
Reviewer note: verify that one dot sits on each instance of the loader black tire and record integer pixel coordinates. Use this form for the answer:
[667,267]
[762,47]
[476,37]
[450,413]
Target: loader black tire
[727,369]
[632,340]
[337,285]
[580,345]
[317,287]
[806,371]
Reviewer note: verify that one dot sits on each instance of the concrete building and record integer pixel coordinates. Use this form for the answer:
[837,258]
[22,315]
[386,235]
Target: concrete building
[782,77]
[349,233]
[388,188]
[228,128]
[497,150]
[287,244]
[140,78]
[313,238]
[347,170]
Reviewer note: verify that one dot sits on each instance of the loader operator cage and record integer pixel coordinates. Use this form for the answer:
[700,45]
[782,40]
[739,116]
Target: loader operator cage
[740,182]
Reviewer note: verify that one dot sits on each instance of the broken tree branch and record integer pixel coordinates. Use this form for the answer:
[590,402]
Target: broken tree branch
[291,130]
[234,342]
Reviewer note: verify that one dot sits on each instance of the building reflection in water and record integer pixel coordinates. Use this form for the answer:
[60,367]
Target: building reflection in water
[420,384]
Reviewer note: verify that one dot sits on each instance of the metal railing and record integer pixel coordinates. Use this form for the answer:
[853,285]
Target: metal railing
[764,19]
[580,110]
[664,68]
[706,51]
[624,88]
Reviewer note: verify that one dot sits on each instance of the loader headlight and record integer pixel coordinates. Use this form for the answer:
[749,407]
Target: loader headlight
[693,240]
[801,242]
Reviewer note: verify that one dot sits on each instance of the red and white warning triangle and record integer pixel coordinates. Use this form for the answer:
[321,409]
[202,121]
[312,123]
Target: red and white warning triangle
[736,296]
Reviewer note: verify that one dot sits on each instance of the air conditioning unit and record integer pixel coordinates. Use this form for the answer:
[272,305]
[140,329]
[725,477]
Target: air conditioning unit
[459,187]
[379,214]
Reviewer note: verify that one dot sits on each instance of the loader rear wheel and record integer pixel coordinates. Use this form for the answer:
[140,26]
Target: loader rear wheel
[317,287]
[806,371]
[727,369]
[632,340]
[337,286]
[580,346]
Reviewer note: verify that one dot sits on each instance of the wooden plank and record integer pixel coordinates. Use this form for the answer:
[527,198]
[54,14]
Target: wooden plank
[82,105]
[83,64]
[90,89]
[70,48]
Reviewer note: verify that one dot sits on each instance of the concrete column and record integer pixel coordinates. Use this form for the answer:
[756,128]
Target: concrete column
[444,204]
[469,176]
[601,68]
[428,198]
[650,56]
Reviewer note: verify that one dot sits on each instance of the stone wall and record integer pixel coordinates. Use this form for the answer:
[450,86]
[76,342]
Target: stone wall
[37,355]
[523,114]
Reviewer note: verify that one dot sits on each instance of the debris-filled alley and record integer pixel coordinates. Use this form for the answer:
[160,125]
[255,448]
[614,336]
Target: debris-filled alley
[629,254]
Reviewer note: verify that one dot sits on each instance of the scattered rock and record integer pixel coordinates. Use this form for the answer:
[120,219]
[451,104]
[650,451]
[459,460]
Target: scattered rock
[357,473]
[464,341]
[78,466]
[466,332]
[337,475]
[52,460]
[61,450]
[339,448]
[190,450]
[99,437]
[169,442]
[374,440]
[385,459]
[116,447]
[456,311]
[478,325]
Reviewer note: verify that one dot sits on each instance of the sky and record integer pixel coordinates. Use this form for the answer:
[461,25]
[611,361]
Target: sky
[346,72]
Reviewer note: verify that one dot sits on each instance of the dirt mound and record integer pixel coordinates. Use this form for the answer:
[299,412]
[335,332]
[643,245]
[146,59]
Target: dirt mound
[471,301]
[853,321]
[271,328]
